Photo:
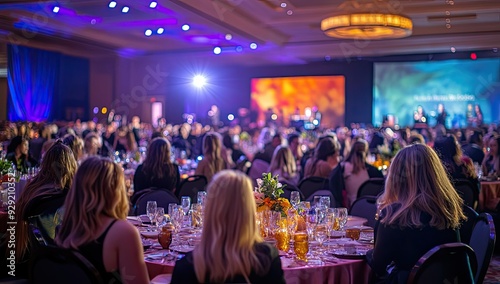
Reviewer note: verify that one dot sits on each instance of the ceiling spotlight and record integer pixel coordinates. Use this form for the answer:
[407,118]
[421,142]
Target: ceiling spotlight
[125,9]
[148,32]
[153,4]
[229,36]
[199,81]
[253,45]
[112,4]
[453,49]
[283,5]
[56,9]
[230,117]
[185,27]
[217,50]
[160,31]
[239,48]
[289,12]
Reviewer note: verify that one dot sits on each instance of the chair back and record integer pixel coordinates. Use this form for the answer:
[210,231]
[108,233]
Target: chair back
[482,241]
[257,169]
[310,185]
[446,263]
[162,197]
[365,207]
[59,266]
[468,191]
[190,187]
[322,192]
[287,191]
[468,225]
[371,187]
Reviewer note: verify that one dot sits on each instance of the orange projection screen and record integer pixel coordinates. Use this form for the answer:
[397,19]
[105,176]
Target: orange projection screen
[287,95]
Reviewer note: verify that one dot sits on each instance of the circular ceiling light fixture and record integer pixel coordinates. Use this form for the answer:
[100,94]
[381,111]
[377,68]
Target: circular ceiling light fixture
[367,19]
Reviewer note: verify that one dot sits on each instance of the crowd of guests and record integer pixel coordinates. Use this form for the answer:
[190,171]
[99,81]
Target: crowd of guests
[81,180]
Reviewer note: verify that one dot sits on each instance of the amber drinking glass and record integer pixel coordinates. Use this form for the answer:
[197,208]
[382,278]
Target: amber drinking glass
[301,245]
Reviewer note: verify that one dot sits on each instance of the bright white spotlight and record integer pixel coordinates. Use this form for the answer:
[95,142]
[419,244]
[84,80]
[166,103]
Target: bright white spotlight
[56,9]
[125,9]
[229,36]
[112,4]
[199,81]
[274,116]
[253,45]
[230,117]
[217,50]
[148,32]
[185,27]
[160,31]
[153,4]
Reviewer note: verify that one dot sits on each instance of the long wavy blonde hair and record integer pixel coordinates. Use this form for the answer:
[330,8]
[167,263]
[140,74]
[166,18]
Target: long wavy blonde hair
[283,162]
[230,232]
[212,151]
[56,174]
[98,190]
[417,182]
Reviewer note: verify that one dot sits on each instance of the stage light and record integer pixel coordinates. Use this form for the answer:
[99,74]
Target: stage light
[125,9]
[239,48]
[289,12]
[153,4]
[199,81]
[104,110]
[217,50]
[229,36]
[96,110]
[230,117]
[274,116]
[453,49]
[185,27]
[283,5]
[315,122]
[148,32]
[112,4]
[253,45]
[473,56]
[56,9]
[160,31]
[328,58]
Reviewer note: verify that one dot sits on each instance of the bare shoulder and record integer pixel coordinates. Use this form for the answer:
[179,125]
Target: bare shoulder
[123,228]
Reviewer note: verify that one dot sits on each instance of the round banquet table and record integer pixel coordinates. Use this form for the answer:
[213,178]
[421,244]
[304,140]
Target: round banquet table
[489,195]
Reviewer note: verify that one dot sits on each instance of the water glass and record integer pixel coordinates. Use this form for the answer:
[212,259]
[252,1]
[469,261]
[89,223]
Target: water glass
[295,199]
[316,200]
[197,215]
[341,217]
[151,211]
[160,216]
[324,201]
[171,208]
[186,204]
[202,196]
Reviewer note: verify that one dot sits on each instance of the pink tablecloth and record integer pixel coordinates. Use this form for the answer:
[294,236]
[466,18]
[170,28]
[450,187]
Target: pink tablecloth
[489,195]
[345,271]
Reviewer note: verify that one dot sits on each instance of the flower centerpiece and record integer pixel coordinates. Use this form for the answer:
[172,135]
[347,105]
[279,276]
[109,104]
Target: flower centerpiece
[267,195]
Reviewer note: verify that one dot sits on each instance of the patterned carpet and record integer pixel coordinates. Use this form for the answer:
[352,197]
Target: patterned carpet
[493,274]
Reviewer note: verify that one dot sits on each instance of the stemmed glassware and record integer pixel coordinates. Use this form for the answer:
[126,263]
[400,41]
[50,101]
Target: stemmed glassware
[151,211]
[340,218]
[160,217]
[295,199]
[186,204]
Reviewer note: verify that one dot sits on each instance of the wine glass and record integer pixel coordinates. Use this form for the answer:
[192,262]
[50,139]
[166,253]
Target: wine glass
[295,199]
[321,235]
[202,196]
[151,211]
[186,204]
[160,216]
[324,201]
[341,217]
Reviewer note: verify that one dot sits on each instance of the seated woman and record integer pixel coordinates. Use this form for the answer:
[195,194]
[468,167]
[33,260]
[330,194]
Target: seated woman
[352,173]
[491,162]
[75,143]
[231,249]
[420,209]
[457,165]
[43,195]
[283,164]
[17,153]
[157,170]
[94,223]
[212,161]
[324,159]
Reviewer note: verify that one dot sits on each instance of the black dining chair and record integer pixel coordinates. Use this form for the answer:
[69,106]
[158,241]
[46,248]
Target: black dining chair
[468,191]
[162,197]
[447,263]
[190,187]
[310,185]
[468,225]
[371,187]
[61,266]
[482,241]
[365,207]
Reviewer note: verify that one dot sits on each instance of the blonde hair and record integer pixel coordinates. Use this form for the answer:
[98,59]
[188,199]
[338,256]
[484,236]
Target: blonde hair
[284,162]
[212,152]
[230,232]
[56,174]
[98,190]
[418,183]
[75,143]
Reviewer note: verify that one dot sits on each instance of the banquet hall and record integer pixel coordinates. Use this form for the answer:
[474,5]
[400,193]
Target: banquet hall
[251,86]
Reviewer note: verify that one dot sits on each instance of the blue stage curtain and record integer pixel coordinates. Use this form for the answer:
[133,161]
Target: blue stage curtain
[32,75]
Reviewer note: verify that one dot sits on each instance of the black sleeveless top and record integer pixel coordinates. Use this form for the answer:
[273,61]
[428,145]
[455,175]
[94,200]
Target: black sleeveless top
[93,252]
